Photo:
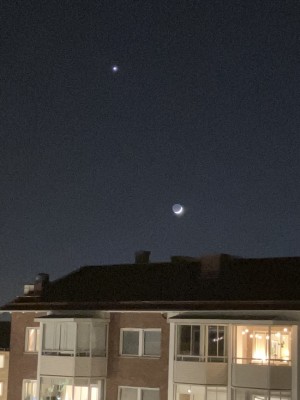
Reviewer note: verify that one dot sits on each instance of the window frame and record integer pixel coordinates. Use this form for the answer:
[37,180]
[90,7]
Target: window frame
[141,344]
[1,388]
[268,334]
[139,390]
[36,339]
[2,361]
[32,381]
[180,388]
[204,355]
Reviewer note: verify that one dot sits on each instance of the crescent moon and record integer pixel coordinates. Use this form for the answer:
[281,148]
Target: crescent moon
[177,209]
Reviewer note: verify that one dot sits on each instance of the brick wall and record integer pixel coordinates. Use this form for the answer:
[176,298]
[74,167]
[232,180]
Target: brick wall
[136,371]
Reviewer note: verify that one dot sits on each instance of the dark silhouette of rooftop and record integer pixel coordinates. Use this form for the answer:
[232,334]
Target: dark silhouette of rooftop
[220,281]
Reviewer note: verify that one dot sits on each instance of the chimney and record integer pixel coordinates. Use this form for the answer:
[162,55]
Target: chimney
[142,257]
[41,280]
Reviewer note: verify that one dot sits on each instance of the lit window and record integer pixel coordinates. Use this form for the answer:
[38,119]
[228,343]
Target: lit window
[32,340]
[1,360]
[263,345]
[140,342]
[1,388]
[192,345]
[256,394]
[81,392]
[29,389]
[65,388]
[200,392]
[134,393]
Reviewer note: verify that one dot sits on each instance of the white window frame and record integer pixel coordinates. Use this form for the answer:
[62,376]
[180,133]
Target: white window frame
[141,346]
[36,339]
[25,381]
[139,390]
[1,388]
[216,390]
[2,361]
[204,356]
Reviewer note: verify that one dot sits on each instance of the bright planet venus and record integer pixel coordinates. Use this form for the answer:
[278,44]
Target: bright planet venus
[177,209]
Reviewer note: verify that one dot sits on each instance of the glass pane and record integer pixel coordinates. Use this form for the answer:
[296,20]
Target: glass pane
[37,341]
[261,340]
[212,341]
[195,340]
[55,389]
[31,339]
[83,339]
[81,393]
[128,394]
[99,340]
[130,342]
[94,393]
[243,345]
[49,336]
[67,336]
[152,343]
[221,341]
[211,393]
[216,393]
[280,396]
[150,394]
[184,339]
[280,346]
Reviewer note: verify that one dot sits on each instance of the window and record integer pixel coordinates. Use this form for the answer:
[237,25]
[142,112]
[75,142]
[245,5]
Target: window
[59,337]
[1,360]
[134,393]
[140,342]
[71,389]
[32,340]
[70,338]
[256,394]
[29,390]
[1,389]
[216,347]
[202,343]
[200,392]
[260,344]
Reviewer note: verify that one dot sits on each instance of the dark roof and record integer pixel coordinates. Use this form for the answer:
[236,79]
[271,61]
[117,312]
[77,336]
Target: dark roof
[217,282]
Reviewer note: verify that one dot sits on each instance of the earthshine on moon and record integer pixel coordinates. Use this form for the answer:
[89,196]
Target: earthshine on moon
[177,209]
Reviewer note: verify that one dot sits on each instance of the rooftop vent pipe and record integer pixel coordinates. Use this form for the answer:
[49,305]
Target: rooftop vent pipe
[142,257]
[41,280]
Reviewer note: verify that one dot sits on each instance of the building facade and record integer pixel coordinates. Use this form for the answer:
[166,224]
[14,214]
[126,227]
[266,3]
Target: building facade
[213,328]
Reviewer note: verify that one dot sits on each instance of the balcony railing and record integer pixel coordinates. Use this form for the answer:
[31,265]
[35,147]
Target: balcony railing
[260,361]
[219,359]
[72,353]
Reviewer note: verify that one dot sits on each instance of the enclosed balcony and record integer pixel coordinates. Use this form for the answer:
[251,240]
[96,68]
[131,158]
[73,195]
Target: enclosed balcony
[73,347]
[262,357]
[201,354]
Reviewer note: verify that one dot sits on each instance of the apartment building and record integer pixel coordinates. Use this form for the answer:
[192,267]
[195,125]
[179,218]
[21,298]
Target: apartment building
[209,328]
[4,357]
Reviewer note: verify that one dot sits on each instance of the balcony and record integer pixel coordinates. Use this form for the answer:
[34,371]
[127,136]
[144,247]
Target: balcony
[73,347]
[262,376]
[68,364]
[201,373]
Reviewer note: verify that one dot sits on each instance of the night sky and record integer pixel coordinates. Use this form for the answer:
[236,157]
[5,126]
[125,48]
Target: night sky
[202,111]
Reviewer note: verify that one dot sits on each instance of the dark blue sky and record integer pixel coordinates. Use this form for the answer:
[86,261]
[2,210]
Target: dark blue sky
[204,111]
